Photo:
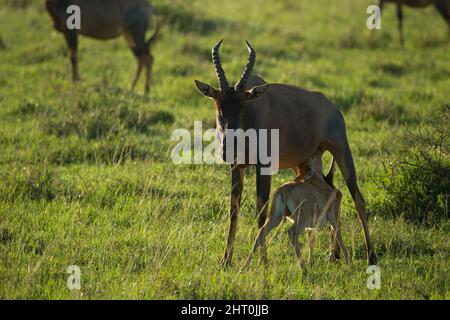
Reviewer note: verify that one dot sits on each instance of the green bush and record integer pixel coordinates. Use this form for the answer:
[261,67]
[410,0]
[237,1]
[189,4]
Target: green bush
[417,184]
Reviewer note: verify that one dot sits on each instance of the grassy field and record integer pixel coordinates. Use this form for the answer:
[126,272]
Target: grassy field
[86,177]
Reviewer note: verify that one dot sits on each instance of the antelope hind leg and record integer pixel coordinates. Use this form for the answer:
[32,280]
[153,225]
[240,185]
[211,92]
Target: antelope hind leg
[346,165]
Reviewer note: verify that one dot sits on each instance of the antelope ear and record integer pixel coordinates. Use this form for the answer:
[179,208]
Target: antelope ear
[206,90]
[256,92]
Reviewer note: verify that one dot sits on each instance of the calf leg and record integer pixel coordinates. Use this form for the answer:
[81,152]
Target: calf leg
[340,241]
[341,244]
[336,227]
[335,249]
[263,183]
[273,220]
[72,42]
[311,238]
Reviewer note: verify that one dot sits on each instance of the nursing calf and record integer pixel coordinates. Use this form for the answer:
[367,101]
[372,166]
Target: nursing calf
[109,19]
[310,204]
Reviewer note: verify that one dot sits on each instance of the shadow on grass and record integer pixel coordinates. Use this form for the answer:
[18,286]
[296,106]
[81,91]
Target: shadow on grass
[38,183]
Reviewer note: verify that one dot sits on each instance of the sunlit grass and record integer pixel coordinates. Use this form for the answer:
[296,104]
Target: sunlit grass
[86,177]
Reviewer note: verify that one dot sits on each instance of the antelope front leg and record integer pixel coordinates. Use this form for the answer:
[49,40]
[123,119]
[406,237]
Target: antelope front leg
[293,236]
[263,183]
[237,185]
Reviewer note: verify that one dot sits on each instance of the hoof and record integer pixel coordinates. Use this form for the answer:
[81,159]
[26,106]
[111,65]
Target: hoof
[334,257]
[225,263]
[372,259]
[303,269]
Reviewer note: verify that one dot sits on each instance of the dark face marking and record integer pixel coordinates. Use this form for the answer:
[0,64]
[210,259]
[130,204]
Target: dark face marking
[229,108]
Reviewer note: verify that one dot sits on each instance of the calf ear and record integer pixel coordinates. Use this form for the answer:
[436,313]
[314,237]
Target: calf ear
[256,92]
[206,90]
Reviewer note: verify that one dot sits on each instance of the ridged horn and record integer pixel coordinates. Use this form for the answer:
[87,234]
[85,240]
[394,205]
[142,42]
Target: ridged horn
[248,69]
[223,83]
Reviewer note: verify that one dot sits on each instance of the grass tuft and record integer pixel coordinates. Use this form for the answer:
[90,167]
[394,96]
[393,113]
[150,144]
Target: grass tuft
[417,185]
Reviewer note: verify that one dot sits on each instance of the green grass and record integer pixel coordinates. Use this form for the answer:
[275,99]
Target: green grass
[85,171]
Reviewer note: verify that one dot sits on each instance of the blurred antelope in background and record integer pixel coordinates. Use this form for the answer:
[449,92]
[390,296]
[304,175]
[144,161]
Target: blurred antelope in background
[443,6]
[109,19]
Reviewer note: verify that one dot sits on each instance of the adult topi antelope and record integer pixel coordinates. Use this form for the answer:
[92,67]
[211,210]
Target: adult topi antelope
[307,122]
[443,6]
[108,19]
